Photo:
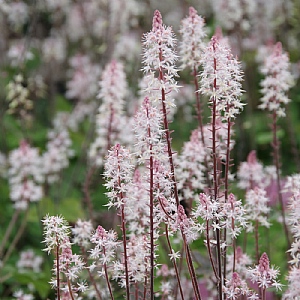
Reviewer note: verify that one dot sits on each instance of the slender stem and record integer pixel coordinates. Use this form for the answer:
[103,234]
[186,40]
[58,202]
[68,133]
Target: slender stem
[125,250]
[200,123]
[86,191]
[191,268]
[107,278]
[9,230]
[92,279]
[216,182]
[57,269]
[174,264]
[151,219]
[256,241]
[275,145]
[16,238]
[210,252]
[70,289]
[226,191]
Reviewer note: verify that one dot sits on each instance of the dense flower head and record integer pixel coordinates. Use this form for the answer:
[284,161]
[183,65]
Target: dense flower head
[58,151]
[193,32]
[159,60]
[221,79]
[29,261]
[110,118]
[277,82]
[237,287]
[257,207]
[118,173]
[82,232]
[148,131]
[25,175]
[264,275]
[56,232]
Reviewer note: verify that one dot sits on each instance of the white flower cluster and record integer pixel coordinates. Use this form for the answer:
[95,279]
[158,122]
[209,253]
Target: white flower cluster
[278,81]
[193,32]
[58,150]
[159,60]
[221,79]
[110,119]
[25,176]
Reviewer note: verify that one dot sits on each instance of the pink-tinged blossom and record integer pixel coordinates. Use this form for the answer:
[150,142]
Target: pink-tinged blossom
[235,216]
[277,82]
[192,44]
[257,208]
[221,79]
[83,75]
[251,173]
[25,176]
[54,49]
[19,53]
[264,275]
[29,262]
[159,60]
[232,13]
[237,287]
[293,290]
[82,233]
[110,118]
[17,14]
[242,262]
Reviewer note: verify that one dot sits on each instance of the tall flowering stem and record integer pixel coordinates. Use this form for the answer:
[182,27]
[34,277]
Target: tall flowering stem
[274,88]
[118,171]
[191,47]
[221,81]
[159,60]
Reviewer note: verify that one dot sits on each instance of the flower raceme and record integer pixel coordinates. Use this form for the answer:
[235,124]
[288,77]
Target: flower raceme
[221,79]
[192,45]
[277,82]
[159,61]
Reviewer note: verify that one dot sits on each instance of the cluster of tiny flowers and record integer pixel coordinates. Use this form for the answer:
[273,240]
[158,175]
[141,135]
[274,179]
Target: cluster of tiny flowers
[159,60]
[257,208]
[148,132]
[104,251]
[18,96]
[242,262]
[25,176]
[58,152]
[235,220]
[18,53]
[190,167]
[110,119]
[138,252]
[70,265]
[118,173]
[231,13]
[83,78]
[237,287]
[193,32]
[54,50]
[277,82]
[82,233]
[29,261]
[264,275]
[293,219]
[221,79]
[56,231]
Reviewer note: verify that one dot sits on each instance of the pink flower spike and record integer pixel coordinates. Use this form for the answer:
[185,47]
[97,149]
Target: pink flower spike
[157,23]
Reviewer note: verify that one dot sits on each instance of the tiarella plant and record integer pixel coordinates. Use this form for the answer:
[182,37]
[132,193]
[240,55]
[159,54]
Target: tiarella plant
[136,199]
